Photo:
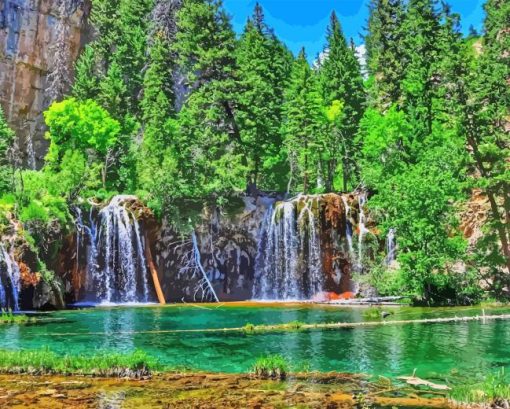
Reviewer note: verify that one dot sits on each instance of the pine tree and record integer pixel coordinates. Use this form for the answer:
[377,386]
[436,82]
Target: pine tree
[86,83]
[421,26]
[384,44]
[264,68]
[303,127]
[487,127]
[341,80]
[210,144]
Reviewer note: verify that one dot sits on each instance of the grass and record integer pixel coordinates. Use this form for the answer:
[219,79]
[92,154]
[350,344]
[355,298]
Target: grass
[134,365]
[7,317]
[493,389]
[271,367]
[288,326]
[375,313]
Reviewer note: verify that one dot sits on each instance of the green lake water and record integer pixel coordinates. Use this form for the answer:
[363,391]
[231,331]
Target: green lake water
[469,348]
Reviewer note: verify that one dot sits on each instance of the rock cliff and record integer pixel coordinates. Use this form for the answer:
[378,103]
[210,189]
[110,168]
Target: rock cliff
[28,30]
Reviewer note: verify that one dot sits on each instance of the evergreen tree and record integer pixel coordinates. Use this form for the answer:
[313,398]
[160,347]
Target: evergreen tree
[341,80]
[86,83]
[303,128]
[157,104]
[487,130]
[384,44]
[264,68]
[421,27]
[213,159]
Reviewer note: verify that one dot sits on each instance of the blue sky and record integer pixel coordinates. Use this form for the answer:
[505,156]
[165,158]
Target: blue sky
[303,22]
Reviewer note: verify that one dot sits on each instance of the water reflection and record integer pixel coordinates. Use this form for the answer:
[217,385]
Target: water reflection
[390,350]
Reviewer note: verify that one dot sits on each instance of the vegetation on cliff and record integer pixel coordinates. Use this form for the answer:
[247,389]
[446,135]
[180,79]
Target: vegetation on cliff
[170,105]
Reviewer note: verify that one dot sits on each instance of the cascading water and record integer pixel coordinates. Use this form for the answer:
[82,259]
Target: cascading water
[348,226]
[362,229]
[116,269]
[9,280]
[288,264]
[390,247]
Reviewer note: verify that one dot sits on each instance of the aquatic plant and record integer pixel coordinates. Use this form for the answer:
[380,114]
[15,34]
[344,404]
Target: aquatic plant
[7,317]
[271,367]
[136,364]
[494,390]
[249,327]
[288,326]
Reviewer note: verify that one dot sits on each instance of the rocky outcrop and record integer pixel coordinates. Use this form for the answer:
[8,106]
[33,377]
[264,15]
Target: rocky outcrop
[28,30]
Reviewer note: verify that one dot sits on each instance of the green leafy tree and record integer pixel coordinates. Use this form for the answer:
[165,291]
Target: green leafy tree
[81,126]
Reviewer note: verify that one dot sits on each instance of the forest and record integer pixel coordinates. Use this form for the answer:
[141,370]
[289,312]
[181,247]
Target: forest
[167,103]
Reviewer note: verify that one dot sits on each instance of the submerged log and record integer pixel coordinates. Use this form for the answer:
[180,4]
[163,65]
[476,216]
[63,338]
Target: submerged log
[415,381]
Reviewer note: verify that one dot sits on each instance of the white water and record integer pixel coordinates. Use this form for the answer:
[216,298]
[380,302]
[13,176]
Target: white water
[390,247]
[288,264]
[116,269]
[348,227]
[362,228]
[10,275]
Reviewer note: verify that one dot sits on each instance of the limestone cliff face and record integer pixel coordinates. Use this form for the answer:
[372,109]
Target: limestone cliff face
[28,31]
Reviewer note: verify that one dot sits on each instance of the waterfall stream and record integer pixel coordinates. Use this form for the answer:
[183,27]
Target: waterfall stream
[116,268]
[390,247]
[362,229]
[9,280]
[288,263]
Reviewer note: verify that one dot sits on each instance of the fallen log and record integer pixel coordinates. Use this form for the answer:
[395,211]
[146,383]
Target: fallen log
[154,272]
[287,327]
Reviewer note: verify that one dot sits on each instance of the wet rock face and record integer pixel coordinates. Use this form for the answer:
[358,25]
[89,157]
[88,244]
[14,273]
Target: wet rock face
[228,247]
[27,34]
[234,253]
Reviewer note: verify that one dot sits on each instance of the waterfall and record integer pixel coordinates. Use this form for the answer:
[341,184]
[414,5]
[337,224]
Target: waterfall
[348,226]
[9,280]
[308,227]
[288,264]
[3,300]
[30,151]
[362,228]
[390,247]
[116,269]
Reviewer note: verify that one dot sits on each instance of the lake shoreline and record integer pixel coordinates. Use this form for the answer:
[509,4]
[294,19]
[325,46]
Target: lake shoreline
[205,390]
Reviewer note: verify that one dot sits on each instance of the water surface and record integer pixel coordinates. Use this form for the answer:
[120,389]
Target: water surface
[391,350]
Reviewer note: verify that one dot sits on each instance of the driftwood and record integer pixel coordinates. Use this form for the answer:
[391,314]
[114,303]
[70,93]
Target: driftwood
[154,272]
[415,381]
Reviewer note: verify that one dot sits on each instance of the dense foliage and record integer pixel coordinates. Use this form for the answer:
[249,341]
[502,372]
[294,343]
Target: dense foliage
[170,104]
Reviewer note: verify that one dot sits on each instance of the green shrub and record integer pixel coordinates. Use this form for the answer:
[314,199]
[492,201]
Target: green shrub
[35,211]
